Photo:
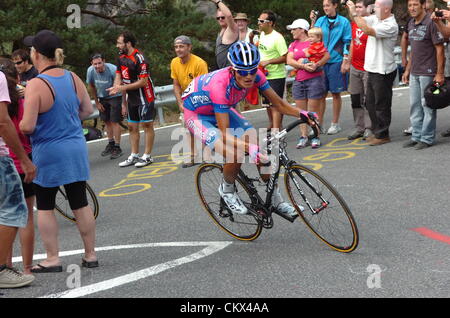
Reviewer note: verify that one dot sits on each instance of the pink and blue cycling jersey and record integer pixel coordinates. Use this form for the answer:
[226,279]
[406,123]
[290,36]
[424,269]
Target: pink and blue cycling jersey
[216,92]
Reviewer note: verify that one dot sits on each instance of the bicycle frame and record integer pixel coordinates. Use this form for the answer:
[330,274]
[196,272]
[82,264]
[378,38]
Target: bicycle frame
[283,161]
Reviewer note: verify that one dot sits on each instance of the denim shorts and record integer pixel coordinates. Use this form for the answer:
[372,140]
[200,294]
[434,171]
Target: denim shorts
[313,88]
[13,208]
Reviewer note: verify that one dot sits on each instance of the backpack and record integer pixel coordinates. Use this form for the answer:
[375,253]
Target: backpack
[91,133]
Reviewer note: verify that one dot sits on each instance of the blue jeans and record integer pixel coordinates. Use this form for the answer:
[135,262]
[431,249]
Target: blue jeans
[423,118]
[13,208]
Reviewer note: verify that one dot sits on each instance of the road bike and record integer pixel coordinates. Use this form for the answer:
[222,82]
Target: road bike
[63,207]
[316,201]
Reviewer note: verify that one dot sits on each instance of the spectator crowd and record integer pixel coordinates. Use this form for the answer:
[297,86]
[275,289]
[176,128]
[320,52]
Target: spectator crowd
[42,105]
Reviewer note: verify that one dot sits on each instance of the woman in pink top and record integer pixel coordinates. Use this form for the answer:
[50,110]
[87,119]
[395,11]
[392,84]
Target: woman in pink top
[309,85]
[15,111]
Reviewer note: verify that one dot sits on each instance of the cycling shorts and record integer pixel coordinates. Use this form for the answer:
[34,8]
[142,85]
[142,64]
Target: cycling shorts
[205,128]
[141,113]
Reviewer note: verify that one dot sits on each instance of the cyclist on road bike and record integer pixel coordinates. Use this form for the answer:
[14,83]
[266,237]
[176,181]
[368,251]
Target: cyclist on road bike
[209,104]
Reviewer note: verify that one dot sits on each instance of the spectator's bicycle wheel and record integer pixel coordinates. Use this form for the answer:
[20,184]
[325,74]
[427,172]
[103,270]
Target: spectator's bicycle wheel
[63,207]
[326,214]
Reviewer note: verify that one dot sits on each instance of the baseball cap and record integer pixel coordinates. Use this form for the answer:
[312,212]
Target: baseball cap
[182,39]
[299,24]
[45,42]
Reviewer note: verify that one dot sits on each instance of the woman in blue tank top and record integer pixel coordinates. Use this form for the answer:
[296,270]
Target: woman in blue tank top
[55,103]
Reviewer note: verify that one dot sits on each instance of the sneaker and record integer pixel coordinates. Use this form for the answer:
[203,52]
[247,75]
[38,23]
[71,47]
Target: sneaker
[302,142]
[334,129]
[367,134]
[408,132]
[233,202]
[130,161]
[356,134]
[11,278]
[446,133]
[108,150]
[143,161]
[409,144]
[116,152]
[315,143]
[422,145]
[287,209]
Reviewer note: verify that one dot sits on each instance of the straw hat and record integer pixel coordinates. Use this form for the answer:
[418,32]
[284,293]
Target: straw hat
[241,16]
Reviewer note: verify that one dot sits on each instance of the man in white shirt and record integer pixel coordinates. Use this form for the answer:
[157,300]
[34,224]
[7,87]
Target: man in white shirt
[382,29]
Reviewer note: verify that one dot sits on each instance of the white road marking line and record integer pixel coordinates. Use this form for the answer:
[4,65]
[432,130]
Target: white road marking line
[211,248]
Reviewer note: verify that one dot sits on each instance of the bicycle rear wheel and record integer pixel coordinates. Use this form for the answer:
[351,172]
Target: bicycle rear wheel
[242,227]
[326,214]
[63,207]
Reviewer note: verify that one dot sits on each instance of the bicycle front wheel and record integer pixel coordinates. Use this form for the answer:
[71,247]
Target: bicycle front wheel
[63,207]
[325,212]
[242,227]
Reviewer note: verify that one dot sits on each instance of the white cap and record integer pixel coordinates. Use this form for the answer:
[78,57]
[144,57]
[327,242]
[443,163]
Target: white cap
[299,23]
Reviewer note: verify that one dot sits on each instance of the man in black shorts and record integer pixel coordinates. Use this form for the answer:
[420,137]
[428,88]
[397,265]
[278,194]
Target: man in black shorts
[100,76]
[133,79]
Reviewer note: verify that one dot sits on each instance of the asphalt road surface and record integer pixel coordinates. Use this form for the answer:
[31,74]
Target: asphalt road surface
[155,240]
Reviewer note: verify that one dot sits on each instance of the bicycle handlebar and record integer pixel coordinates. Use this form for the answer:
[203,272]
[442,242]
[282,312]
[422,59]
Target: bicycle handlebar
[304,119]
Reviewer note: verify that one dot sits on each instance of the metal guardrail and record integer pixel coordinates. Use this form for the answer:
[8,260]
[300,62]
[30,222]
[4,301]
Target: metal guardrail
[164,96]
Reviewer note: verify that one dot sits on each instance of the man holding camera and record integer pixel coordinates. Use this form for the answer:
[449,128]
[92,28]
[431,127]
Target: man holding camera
[426,65]
[382,29]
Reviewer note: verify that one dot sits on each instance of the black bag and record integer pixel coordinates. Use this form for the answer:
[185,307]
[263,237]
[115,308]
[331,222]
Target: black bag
[436,96]
[91,133]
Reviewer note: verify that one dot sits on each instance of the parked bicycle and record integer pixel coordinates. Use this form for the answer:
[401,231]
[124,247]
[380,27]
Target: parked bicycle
[63,207]
[316,201]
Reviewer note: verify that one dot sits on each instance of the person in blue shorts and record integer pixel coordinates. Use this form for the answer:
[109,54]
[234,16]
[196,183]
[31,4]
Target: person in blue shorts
[337,36]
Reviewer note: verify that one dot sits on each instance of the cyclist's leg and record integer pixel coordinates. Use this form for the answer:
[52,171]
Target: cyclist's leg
[133,127]
[205,128]
[148,114]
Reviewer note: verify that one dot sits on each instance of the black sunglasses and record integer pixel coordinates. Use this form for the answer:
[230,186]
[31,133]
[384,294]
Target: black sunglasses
[18,63]
[220,18]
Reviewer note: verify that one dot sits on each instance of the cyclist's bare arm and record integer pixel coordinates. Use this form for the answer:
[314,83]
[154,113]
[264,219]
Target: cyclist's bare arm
[280,104]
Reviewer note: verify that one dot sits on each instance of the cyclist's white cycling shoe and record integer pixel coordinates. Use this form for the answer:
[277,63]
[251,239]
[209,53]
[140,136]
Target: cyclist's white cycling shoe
[233,202]
[287,209]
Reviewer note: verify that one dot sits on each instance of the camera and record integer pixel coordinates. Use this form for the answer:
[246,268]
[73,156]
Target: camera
[344,2]
[439,14]
[402,29]
[255,32]
[316,12]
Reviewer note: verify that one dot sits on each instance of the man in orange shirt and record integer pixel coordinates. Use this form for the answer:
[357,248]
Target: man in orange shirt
[184,68]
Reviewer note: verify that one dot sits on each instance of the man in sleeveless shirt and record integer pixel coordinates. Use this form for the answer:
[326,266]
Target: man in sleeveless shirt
[228,35]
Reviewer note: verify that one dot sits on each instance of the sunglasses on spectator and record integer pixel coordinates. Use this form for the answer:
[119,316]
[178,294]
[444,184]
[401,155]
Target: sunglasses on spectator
[246,73]
[263,21]
[18,62]
[220,18]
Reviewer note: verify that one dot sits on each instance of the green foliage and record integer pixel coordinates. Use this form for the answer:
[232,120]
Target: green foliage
[155,28]
[155,31]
